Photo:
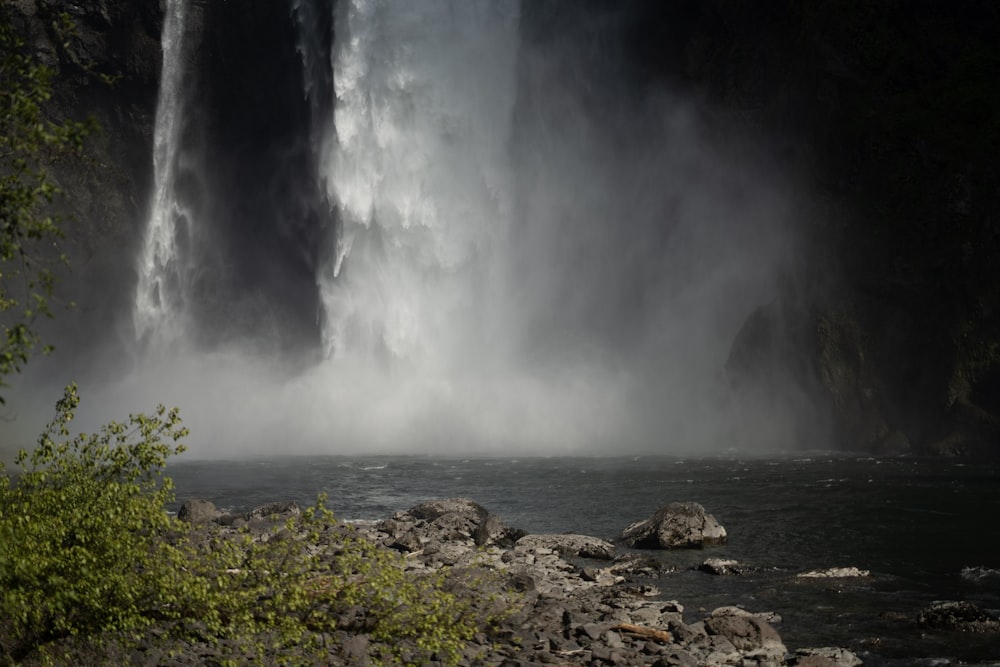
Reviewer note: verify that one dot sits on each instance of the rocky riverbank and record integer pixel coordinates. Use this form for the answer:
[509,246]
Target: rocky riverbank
[569,599]
[574,599]
[565,599]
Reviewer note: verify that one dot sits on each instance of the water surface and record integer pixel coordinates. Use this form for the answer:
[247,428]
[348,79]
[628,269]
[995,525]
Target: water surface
[926,529]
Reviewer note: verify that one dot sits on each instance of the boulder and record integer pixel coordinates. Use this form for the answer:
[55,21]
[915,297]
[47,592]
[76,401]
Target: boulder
[677,526]
[448,520]
[492,530]
[198,511]
[433,509]
[733,610]
[724,566]
[747,632]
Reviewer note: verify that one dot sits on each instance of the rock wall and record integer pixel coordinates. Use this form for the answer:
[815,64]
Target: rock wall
[259,189]
[889,116]
[106,60]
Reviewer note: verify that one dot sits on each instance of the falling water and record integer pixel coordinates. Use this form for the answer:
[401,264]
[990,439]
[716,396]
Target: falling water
[418,168]
[163,277]
[507,245]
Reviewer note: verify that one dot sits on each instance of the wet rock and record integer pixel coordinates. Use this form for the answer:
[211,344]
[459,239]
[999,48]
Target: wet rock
[436,525]
[433,509]
[724,567]
[768,616]
[492,530]
[746,632]
[677,526]
[673,606]
[276,510]
[825,657]
[959,617]
[639,565]
[570,545]
[198,511]
[835,573]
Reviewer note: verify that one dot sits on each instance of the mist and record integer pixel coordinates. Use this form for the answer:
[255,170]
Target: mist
[479,231]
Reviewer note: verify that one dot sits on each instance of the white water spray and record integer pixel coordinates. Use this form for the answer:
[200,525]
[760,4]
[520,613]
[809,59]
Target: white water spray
[571,284]
[164,277]
[419,170]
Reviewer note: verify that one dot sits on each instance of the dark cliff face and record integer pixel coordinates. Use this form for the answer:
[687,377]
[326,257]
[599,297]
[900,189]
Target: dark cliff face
[250,124]
[891,113]
[887,113]
[106,61]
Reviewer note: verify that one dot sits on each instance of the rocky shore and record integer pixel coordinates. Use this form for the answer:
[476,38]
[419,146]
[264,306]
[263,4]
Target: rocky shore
[569,599]
[574,599]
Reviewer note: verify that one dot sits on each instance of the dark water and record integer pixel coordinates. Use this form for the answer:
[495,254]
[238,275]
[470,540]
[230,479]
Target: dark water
[927,529]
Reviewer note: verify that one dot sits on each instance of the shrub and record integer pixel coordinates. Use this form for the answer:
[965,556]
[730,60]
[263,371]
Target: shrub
[79,552]
[89,554]
[418,616]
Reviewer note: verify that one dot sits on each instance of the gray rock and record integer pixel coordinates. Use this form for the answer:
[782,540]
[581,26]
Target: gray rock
[198,511]
[747,633]
[433,509]
[458,522]
[592,630]
[835,573]
[521,582]
[355,649]
[715,650]
[676,659]
[826,657]
[682,633]
[570,545]
[730,610]
[724,567]
[282,509]
[676,526]
[602,653]
[639,565]
[493,530]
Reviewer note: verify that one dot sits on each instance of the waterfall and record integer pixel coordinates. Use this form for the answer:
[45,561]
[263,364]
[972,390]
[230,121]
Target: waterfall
[163,275]
[418,169]
[420,226]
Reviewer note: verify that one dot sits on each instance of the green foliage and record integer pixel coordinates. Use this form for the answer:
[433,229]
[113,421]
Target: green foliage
[30,143]
[89,553]
[419,617]
[79,552]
